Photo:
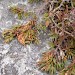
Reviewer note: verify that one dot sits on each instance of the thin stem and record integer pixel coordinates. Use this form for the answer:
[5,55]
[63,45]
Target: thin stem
[58,7]
[72,4]
[62,29]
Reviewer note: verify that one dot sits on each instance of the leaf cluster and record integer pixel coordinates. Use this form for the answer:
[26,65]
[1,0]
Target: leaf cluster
[62,44]
[25,34]
[21,13]
[59,20]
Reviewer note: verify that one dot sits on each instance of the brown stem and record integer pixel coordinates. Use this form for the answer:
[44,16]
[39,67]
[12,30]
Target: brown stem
[58,7]
[62,29]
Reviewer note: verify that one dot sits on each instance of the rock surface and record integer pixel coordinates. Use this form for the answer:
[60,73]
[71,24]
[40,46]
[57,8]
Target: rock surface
[16,59]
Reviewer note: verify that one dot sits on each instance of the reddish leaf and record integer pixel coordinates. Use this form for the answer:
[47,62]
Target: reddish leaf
[21,38]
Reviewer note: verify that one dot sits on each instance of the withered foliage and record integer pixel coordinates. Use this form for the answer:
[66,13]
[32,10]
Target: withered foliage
[21,13]
[51,63]
[25,34]
[59,19]
[70,70]
[17,10]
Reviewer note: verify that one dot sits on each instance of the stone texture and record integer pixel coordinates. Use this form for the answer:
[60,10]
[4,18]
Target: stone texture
[16,59]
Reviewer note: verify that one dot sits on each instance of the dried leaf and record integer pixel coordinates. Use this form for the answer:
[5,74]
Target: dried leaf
[47,23]
[25,34]
[21,38]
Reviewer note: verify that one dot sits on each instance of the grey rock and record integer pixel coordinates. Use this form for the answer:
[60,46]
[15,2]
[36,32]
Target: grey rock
[16,59]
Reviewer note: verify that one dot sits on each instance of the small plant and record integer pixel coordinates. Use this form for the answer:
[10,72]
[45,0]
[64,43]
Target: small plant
[59,24]
[70,70]
[21,13]
[25,34]
[62,44]
[51,63]
[17,11]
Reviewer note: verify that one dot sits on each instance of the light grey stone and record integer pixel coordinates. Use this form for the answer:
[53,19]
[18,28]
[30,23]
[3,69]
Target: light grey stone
[16,59]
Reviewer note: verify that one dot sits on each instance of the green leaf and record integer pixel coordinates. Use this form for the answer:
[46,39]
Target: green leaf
[53,35]
[20,16]
[41,27]
[52,45]
[46,15]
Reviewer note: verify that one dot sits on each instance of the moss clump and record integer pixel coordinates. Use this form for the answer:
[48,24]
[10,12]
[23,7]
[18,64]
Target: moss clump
[25,34]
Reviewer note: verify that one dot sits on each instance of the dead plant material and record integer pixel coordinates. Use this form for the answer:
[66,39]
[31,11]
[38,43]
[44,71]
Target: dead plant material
[24,33]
